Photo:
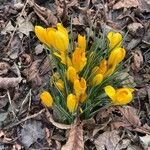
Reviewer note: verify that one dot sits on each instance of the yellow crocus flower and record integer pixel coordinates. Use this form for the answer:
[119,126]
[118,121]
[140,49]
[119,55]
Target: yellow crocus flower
[46,99]
[115,39]
[60,84]
[120,96]
[80,86]
[72,102]
[97,79]
[71,74]
[82,42]
[56,38]
[79,59]
[116,56]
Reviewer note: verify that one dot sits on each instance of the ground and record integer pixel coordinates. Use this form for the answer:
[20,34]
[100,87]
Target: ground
[25,71]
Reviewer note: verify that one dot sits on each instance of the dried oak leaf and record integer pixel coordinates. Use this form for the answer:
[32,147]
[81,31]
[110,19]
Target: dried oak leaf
[32,74]
[108,140]
[126,4]
[6,83]
[75,140]
[45,14]
[4,67]
[137,60]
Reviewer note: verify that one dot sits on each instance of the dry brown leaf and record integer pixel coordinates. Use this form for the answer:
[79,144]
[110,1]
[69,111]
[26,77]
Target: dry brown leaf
[6,83]
[108,140]
[32,74]
[75,140]
[8,29]
[126,4]
[24,25]
[4,67]
[137,60]
[45,14]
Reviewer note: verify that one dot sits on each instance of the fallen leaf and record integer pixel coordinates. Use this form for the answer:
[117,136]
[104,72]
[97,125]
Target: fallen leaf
[146,140]
[32,74]
[15,47]
[75,140]
[137,60]
[8,29]
[128,80]
[39,49]
[45,14]
[31,132]
[108,140]
[130,115]
[4,67]
[6,83]
[136,29]
[126,4]
[24,25]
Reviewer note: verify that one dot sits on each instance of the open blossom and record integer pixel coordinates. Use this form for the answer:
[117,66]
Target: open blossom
[51,37]
[115,39]
[121,96]
[46,99]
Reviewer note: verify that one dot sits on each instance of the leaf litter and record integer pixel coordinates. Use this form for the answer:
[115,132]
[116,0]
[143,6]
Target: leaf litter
[116,127]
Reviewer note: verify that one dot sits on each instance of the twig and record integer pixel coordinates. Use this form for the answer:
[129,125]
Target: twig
[9,98]
[25,119]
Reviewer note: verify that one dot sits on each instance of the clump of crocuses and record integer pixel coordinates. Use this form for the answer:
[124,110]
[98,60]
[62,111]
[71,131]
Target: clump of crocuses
[85,76]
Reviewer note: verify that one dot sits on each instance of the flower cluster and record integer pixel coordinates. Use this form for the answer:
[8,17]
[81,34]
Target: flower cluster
[85,77]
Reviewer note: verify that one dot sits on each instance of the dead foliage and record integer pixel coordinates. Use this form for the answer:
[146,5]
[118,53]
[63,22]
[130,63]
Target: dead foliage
[75,139]
[6,83]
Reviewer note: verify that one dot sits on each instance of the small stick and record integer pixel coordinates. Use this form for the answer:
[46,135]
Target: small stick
[25,119]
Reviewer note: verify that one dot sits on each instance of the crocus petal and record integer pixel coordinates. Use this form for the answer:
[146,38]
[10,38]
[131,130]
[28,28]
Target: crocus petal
[82,42]
[46,99]
[61,41]
[51,39]
[111,69]
[62,29]
[115,39]
[71,102]
[97,79]
[71,74]
[103,67]
[40,33]
[60,85]
[116,56]
[123,96]
[80,86]
[83,97]
[110,91]
[79,59]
